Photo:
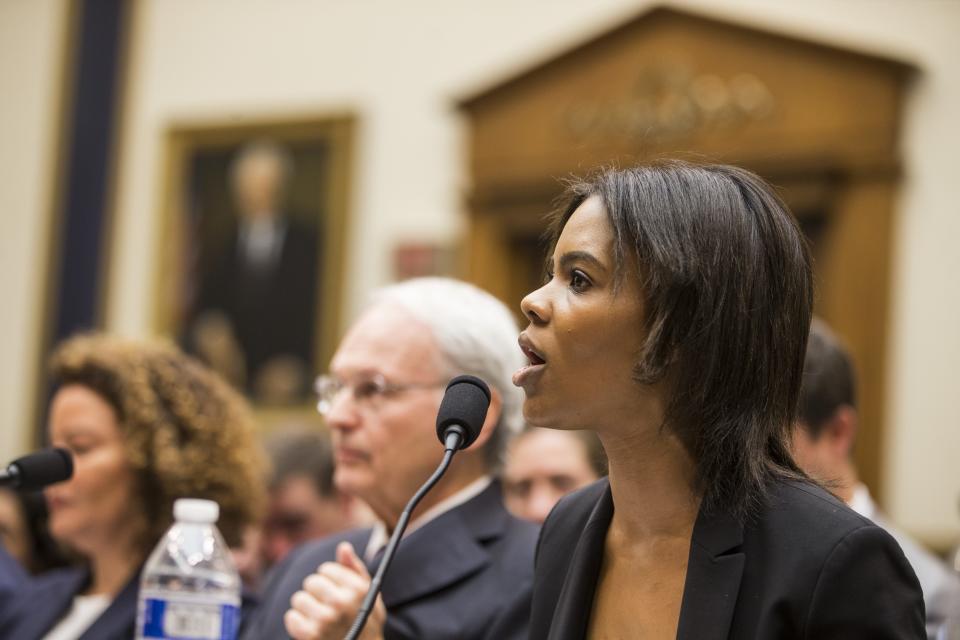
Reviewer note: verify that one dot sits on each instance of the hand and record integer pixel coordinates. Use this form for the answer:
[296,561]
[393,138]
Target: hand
[326,606]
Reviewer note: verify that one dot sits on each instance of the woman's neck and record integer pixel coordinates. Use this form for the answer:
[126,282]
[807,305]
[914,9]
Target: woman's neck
[111,568]
[652,479]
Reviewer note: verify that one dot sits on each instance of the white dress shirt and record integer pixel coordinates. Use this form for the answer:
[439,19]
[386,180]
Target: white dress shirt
[83,613]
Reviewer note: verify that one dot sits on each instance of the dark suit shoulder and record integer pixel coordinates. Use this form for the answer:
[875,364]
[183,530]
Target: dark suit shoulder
[521,535]
[802,518]
[813,504]
[304,560]
[815,568]
[286,578]
[797,528]
[324,549]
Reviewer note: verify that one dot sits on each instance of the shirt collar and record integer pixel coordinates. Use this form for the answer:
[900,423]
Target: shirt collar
[379,536]
[861,502]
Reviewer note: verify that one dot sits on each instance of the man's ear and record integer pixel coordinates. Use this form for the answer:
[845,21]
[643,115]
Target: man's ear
[490,422]
[843,430]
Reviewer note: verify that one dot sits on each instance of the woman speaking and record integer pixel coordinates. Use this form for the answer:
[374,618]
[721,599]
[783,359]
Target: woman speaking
[673,323]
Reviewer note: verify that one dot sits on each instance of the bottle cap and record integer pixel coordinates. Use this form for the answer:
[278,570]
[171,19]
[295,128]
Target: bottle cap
[196,510]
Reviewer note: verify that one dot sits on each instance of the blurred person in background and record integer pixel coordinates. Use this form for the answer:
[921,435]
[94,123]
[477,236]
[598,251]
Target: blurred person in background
[464,569]
[303,502]
[146,425]
[823,445]
[255,305]
[24,531]
[543,465]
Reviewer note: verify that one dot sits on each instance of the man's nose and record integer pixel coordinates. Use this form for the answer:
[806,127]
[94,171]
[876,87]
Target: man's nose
[541,502]
[344,414]
[277,546]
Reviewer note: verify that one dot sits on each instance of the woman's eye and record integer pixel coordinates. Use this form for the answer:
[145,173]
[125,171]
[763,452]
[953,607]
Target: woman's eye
[78,449]
[548,276]
[578,281]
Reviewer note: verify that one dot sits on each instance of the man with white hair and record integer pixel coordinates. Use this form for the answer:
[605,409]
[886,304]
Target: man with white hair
[465,567]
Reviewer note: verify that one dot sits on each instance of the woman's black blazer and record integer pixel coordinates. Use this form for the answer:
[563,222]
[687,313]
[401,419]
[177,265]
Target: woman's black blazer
[806,566]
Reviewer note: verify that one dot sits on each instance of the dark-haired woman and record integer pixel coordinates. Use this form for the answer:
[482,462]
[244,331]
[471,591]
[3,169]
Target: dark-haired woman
[673,324]
[146,425]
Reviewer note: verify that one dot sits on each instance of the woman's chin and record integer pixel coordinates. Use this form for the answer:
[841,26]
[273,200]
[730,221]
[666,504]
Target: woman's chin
[535,416]
[70,539]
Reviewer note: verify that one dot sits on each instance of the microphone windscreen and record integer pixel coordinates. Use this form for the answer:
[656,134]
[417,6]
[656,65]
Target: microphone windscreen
[37,470]
[465,403]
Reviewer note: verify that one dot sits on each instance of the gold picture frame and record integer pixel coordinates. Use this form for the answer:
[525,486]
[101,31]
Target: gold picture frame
[195,195]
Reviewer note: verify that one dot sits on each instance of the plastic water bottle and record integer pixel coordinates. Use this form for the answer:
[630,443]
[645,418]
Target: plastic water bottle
[190,587]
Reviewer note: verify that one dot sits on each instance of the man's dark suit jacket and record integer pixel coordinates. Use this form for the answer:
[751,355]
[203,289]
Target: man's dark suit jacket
[806,566]
[465,575]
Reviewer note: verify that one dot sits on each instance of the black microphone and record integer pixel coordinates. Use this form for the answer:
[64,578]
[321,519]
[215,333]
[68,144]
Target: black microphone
[37,470]
[462,411]
[459,421]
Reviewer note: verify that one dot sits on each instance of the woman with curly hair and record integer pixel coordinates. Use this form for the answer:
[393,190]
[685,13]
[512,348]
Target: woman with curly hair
[146,425]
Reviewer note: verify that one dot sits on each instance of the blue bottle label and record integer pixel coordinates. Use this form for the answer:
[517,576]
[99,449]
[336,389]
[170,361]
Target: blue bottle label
[169,619]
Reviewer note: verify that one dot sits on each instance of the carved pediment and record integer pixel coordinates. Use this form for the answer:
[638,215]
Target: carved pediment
[670,82]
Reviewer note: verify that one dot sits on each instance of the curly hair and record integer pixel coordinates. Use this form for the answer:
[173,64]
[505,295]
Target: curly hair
[186,432]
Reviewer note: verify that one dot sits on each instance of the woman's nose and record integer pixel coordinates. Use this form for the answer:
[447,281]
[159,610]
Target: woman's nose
[535,306]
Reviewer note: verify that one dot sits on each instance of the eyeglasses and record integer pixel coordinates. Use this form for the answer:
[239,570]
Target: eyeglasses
[369,392]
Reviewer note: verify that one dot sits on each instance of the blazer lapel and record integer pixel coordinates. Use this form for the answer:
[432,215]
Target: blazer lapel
[575,603]
[120,618]
[714,569]
[445,550]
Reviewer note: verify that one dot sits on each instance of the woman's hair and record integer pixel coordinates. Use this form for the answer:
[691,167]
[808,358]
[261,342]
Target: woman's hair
[186,433]
[728,290]
[43,551]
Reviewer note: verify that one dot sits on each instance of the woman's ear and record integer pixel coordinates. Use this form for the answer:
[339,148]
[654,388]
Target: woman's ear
[490,422]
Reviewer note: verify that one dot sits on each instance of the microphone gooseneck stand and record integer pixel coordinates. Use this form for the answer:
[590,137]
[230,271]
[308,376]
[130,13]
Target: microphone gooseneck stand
[451,444]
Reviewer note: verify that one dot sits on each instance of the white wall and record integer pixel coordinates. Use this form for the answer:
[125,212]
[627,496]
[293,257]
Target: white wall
[400,65]
[30,57]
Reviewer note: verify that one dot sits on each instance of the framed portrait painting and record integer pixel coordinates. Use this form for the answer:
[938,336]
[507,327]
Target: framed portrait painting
[254,221]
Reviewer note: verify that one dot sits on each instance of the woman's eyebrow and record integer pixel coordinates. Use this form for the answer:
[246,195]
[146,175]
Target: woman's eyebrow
[580,256]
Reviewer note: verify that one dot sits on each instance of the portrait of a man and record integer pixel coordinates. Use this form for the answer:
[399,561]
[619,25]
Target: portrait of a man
[256,287]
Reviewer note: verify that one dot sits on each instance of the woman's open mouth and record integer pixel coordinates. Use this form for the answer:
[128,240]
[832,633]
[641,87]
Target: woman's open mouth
[535,363]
